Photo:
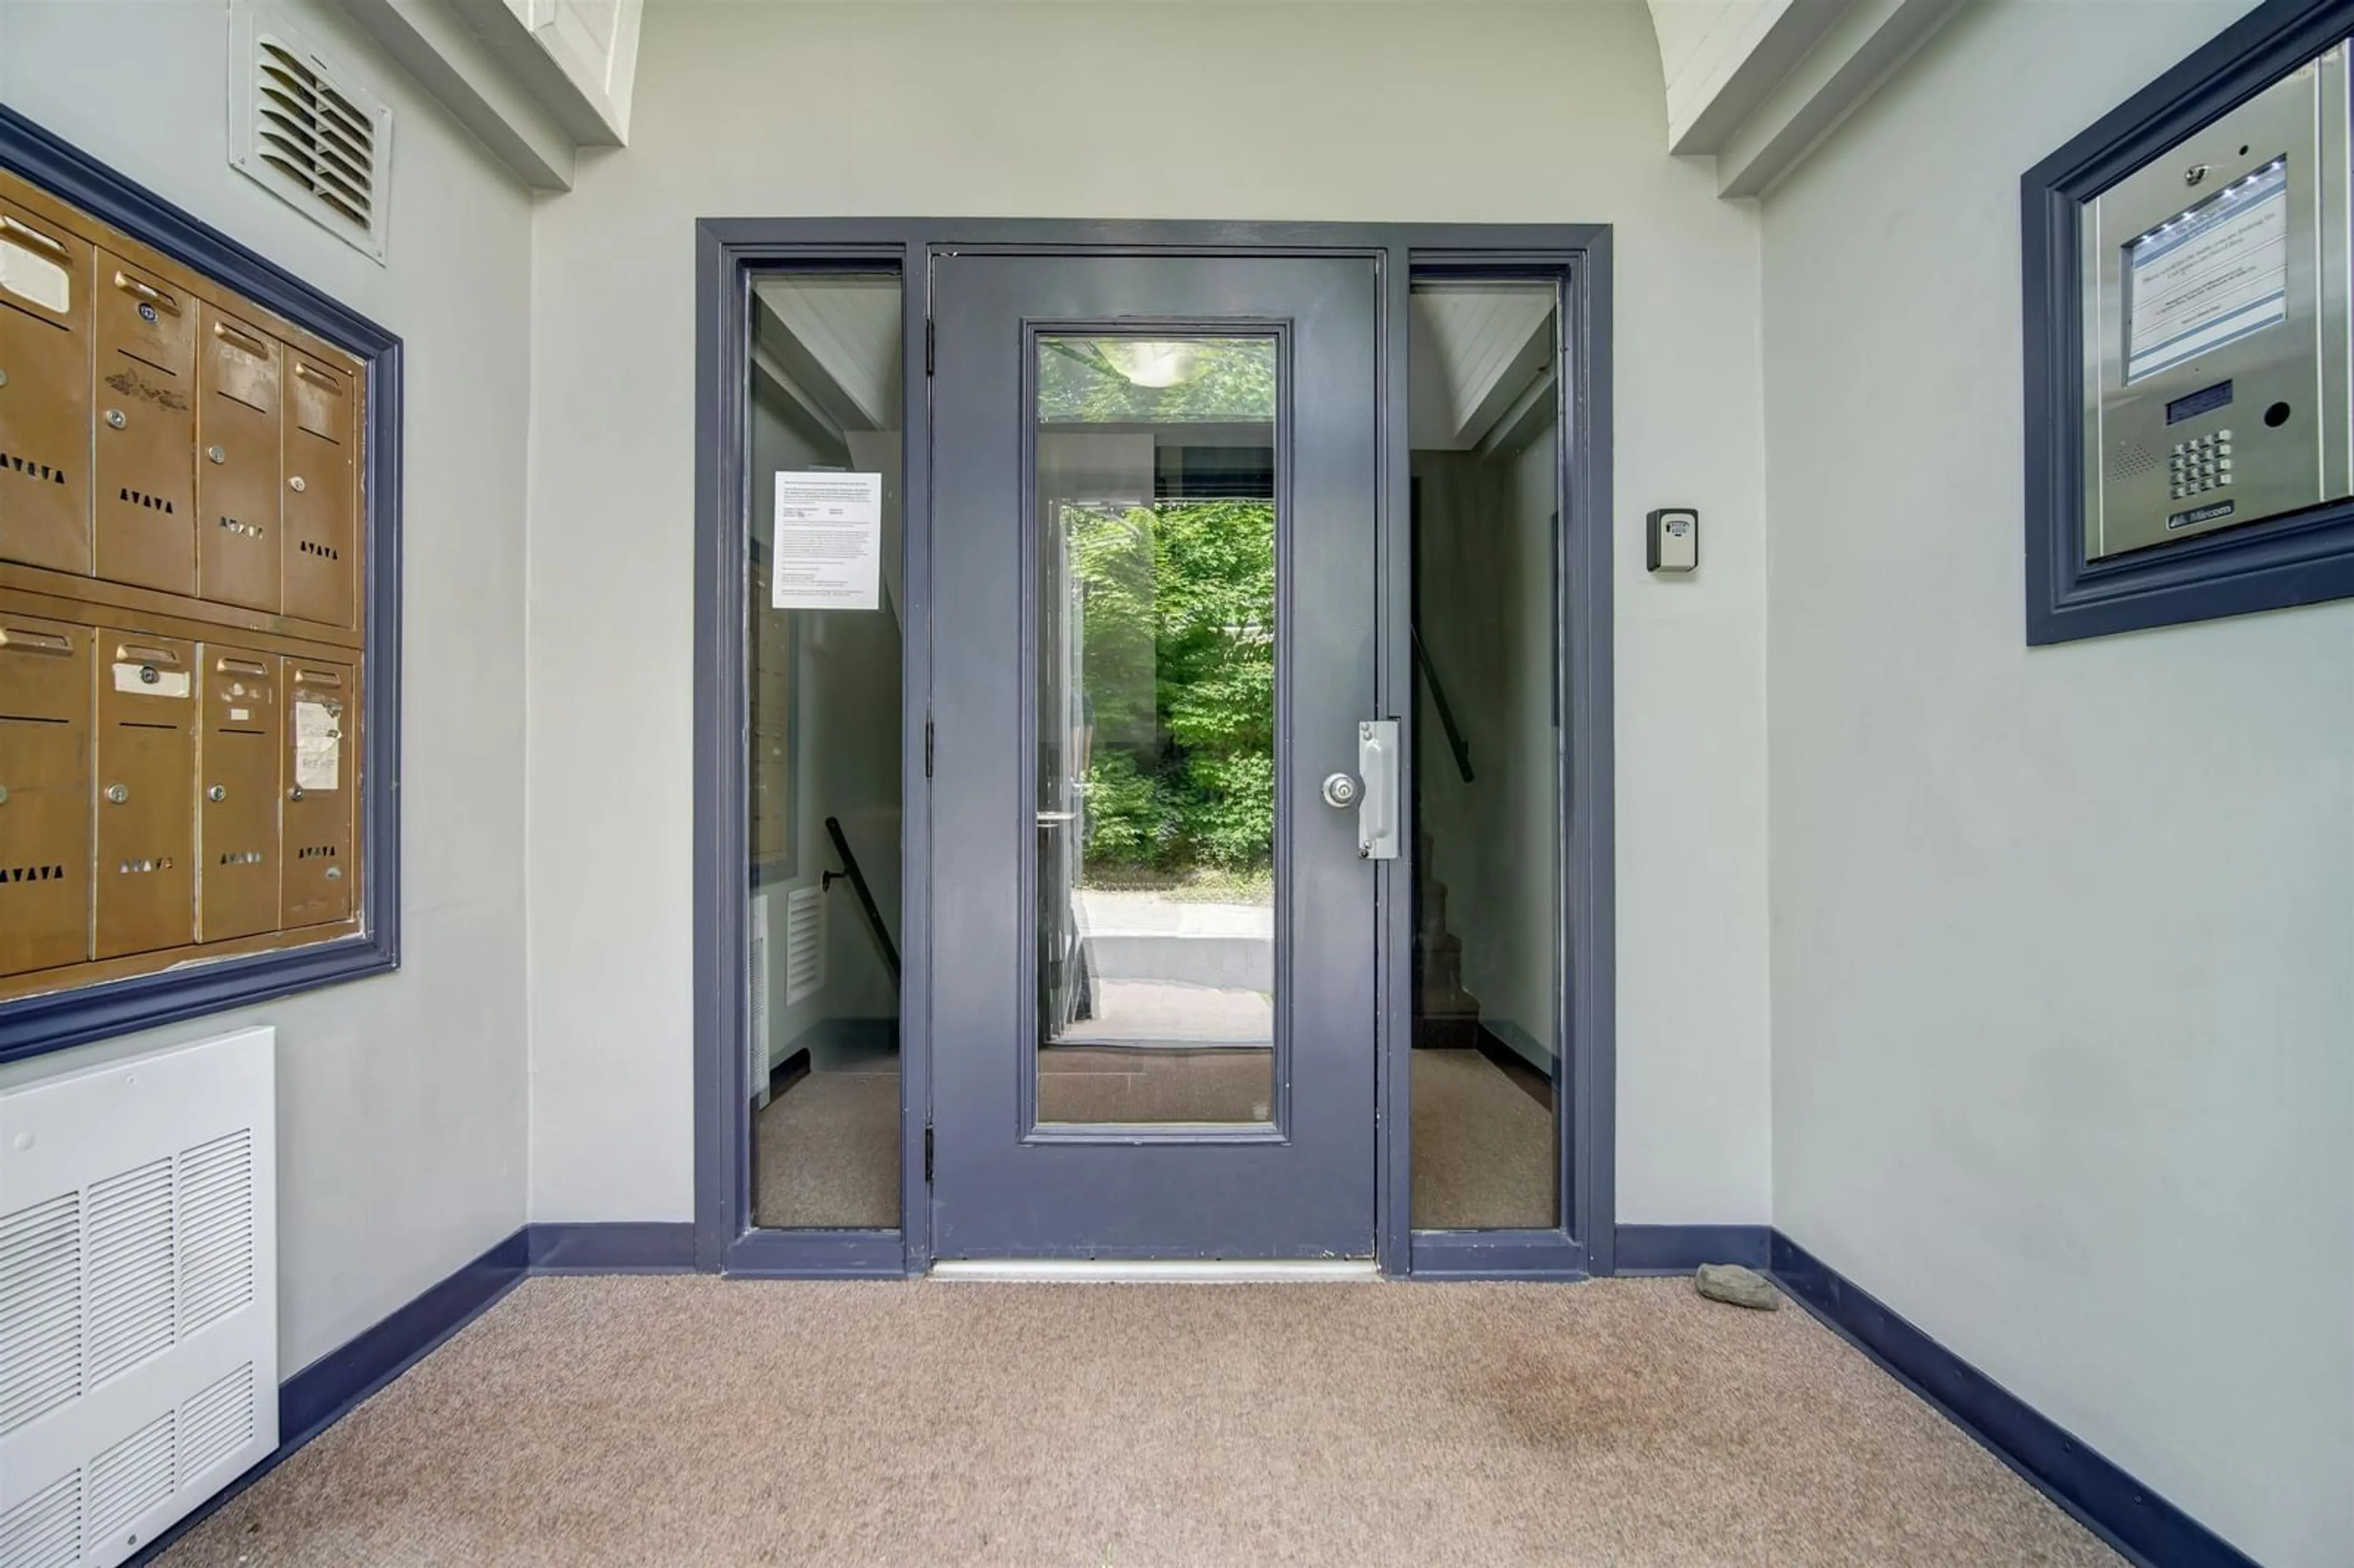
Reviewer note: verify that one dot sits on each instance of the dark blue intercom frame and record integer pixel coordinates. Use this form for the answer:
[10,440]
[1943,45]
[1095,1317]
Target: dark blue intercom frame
[34,1024]
[2302,558]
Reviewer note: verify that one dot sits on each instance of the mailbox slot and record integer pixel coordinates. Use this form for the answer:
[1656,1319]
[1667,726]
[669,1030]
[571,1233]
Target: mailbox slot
[320,789]
[238,795]
[321,493]
[146,784]
[238,412]
[146,429]
[45,792]
[45,401]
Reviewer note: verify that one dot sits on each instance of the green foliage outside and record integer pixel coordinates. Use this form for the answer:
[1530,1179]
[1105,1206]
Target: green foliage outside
[1178,608]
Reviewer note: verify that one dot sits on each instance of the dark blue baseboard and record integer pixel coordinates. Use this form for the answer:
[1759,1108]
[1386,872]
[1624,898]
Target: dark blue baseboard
[634,1246]
[2136,1521]
[1679,1249]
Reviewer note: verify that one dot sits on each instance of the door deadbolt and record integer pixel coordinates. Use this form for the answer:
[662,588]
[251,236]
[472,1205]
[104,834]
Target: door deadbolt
[1340,791]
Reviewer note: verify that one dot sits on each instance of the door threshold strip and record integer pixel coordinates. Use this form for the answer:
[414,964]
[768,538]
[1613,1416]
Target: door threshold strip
[1157,1271]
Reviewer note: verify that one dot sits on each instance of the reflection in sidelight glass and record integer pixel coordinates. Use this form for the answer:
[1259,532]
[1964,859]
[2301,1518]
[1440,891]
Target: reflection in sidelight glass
[822,632]
[1484,422]
[1155,640]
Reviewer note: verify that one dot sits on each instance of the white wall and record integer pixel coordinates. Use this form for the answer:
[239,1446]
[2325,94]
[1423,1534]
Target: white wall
[2062,1004]
[1432,111]
[401,1100]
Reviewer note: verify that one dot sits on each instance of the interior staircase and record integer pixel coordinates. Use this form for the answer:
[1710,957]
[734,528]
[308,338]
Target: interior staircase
[1446,1016]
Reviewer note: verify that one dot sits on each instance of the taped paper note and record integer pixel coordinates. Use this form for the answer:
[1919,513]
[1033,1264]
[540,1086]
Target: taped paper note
[828,550]
[318,743]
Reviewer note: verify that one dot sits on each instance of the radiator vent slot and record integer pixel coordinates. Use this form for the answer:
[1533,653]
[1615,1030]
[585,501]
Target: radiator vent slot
[131,1477]
[805,943]
[216,1423]
[130,1285]
[40,1309]
[138,1296]
[45,1530]
[216,1230]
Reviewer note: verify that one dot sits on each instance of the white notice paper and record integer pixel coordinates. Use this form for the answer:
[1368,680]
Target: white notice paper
[318,744]
[2211,275]
[828,551]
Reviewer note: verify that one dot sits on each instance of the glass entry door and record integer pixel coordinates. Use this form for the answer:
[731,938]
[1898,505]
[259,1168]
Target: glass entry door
[1153,975]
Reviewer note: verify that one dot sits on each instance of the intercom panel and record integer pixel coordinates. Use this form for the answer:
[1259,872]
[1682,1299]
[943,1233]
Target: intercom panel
[2217,352]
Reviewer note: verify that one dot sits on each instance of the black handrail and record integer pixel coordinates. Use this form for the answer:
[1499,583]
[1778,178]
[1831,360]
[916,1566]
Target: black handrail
[1455,741]
[865,894]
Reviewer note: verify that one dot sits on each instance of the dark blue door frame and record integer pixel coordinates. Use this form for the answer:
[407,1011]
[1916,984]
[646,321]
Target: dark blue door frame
[728,252]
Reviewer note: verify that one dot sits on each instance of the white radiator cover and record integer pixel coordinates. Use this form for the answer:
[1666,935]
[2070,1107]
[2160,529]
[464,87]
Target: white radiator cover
[138,1296]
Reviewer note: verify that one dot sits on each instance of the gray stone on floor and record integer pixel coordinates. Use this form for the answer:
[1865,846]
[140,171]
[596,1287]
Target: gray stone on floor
[1741,1287]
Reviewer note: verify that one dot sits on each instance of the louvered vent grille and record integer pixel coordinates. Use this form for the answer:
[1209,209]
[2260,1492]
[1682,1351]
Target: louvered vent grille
[805,943]
[300,125]
[216,1230]
[40,1309]
[130,1284]
[131,1477]
[216,1423]
[45,1530]
[315,133]
[138,1329]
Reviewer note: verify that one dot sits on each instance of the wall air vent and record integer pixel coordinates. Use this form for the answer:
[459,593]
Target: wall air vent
[301,126]
[804,942]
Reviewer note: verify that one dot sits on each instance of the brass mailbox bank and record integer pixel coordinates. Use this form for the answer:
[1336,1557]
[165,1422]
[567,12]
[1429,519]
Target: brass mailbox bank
[182,635]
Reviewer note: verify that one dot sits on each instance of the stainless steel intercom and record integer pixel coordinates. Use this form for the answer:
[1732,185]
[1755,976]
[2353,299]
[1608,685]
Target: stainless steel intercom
[2217,352]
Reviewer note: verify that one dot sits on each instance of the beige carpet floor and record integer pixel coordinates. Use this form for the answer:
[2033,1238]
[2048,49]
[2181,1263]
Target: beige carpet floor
[826,1151]
[587,1423]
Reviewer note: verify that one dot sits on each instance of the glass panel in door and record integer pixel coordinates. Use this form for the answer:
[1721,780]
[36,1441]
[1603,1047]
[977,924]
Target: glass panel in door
[1156,653]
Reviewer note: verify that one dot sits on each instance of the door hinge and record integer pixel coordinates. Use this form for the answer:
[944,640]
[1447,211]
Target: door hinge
[927,748]
[927,1154]
[928,343]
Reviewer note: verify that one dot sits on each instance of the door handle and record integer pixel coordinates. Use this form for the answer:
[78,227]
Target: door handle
[1377,813]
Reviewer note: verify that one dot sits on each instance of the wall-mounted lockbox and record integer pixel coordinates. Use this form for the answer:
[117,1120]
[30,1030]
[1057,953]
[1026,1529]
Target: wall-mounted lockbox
[186,521]
[2188,339]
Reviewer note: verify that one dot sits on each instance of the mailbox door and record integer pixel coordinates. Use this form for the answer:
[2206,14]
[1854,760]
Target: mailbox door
[45,793]
[237,795]
[321,493]
[321,790]
[146,429]
[45,417]
[146,788]
[237,406]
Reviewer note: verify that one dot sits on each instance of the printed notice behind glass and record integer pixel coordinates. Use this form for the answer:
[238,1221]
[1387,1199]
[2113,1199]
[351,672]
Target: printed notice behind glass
[829,544]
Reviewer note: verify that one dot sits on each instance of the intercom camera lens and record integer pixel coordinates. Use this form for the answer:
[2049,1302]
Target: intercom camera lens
[2278,415]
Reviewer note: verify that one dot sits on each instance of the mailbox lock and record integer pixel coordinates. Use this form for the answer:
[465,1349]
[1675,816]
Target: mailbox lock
[217,793]
[295,793]
[296,485]
[117,793]
[4,794]
[219,454]
[148,675]
[115,417]
[4,378]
